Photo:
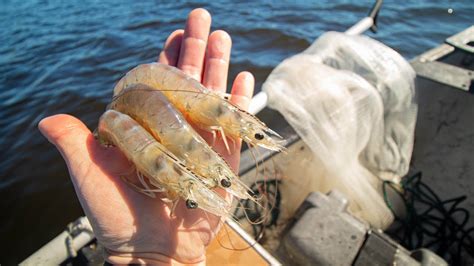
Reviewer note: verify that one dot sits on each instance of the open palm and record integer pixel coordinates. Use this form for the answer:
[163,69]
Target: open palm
[133,227]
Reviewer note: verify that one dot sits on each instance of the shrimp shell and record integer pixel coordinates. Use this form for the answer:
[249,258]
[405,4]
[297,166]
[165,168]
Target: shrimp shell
[162,168]
[204,107]
[155,113]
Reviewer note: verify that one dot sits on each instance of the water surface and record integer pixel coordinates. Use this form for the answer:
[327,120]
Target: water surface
[64,57]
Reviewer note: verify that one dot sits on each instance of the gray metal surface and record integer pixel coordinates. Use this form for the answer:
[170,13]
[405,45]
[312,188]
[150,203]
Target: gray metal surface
[463,40]
[444,141]
[324,233]
[379,249]
[64,246]
[427,257]
[443,73]
[430,64]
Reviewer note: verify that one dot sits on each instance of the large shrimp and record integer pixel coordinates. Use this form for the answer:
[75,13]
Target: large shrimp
[163,169]
[205,108]
[154,112]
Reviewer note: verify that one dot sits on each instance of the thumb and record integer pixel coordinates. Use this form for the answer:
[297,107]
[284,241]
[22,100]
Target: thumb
[70,136]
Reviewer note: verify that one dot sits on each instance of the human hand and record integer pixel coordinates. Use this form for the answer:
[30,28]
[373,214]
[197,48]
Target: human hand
[133,227]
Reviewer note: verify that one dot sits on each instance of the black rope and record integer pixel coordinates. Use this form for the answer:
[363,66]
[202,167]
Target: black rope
[439,225]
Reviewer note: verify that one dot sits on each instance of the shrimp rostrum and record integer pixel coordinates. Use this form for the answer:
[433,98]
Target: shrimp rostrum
[164,171]
[151,109]
[203,107]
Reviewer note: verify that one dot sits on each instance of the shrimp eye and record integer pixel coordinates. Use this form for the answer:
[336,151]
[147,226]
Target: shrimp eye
[225,183]
[191,204]
[259,136]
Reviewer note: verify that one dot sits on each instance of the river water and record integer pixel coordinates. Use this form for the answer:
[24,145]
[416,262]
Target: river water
[65,56]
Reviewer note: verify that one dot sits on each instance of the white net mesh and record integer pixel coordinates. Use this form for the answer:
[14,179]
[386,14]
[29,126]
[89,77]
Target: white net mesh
[351,99]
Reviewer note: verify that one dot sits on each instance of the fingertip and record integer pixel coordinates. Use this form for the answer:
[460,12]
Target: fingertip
[174,40]
[201,14]
[59,127]
[242,90]
[198,24]
[219,46]
[245,83]
[220,36]
[246,76]
[47,124]
[170,53]
[177,32]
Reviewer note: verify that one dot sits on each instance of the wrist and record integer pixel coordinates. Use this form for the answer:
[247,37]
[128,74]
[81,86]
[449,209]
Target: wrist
[147,258]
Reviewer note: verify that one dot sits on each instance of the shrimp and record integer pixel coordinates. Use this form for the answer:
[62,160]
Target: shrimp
[169,127]
[162,168]
[203,107]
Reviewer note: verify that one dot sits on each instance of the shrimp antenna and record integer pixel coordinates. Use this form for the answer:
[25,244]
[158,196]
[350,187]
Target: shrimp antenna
[272,201]
[254,159]
[225,223]
[257,166]
[250,245]
[244,210]
[149,88]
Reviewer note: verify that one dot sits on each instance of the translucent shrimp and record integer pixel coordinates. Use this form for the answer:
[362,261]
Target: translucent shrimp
[162,168]
[205,108]
[154,112]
